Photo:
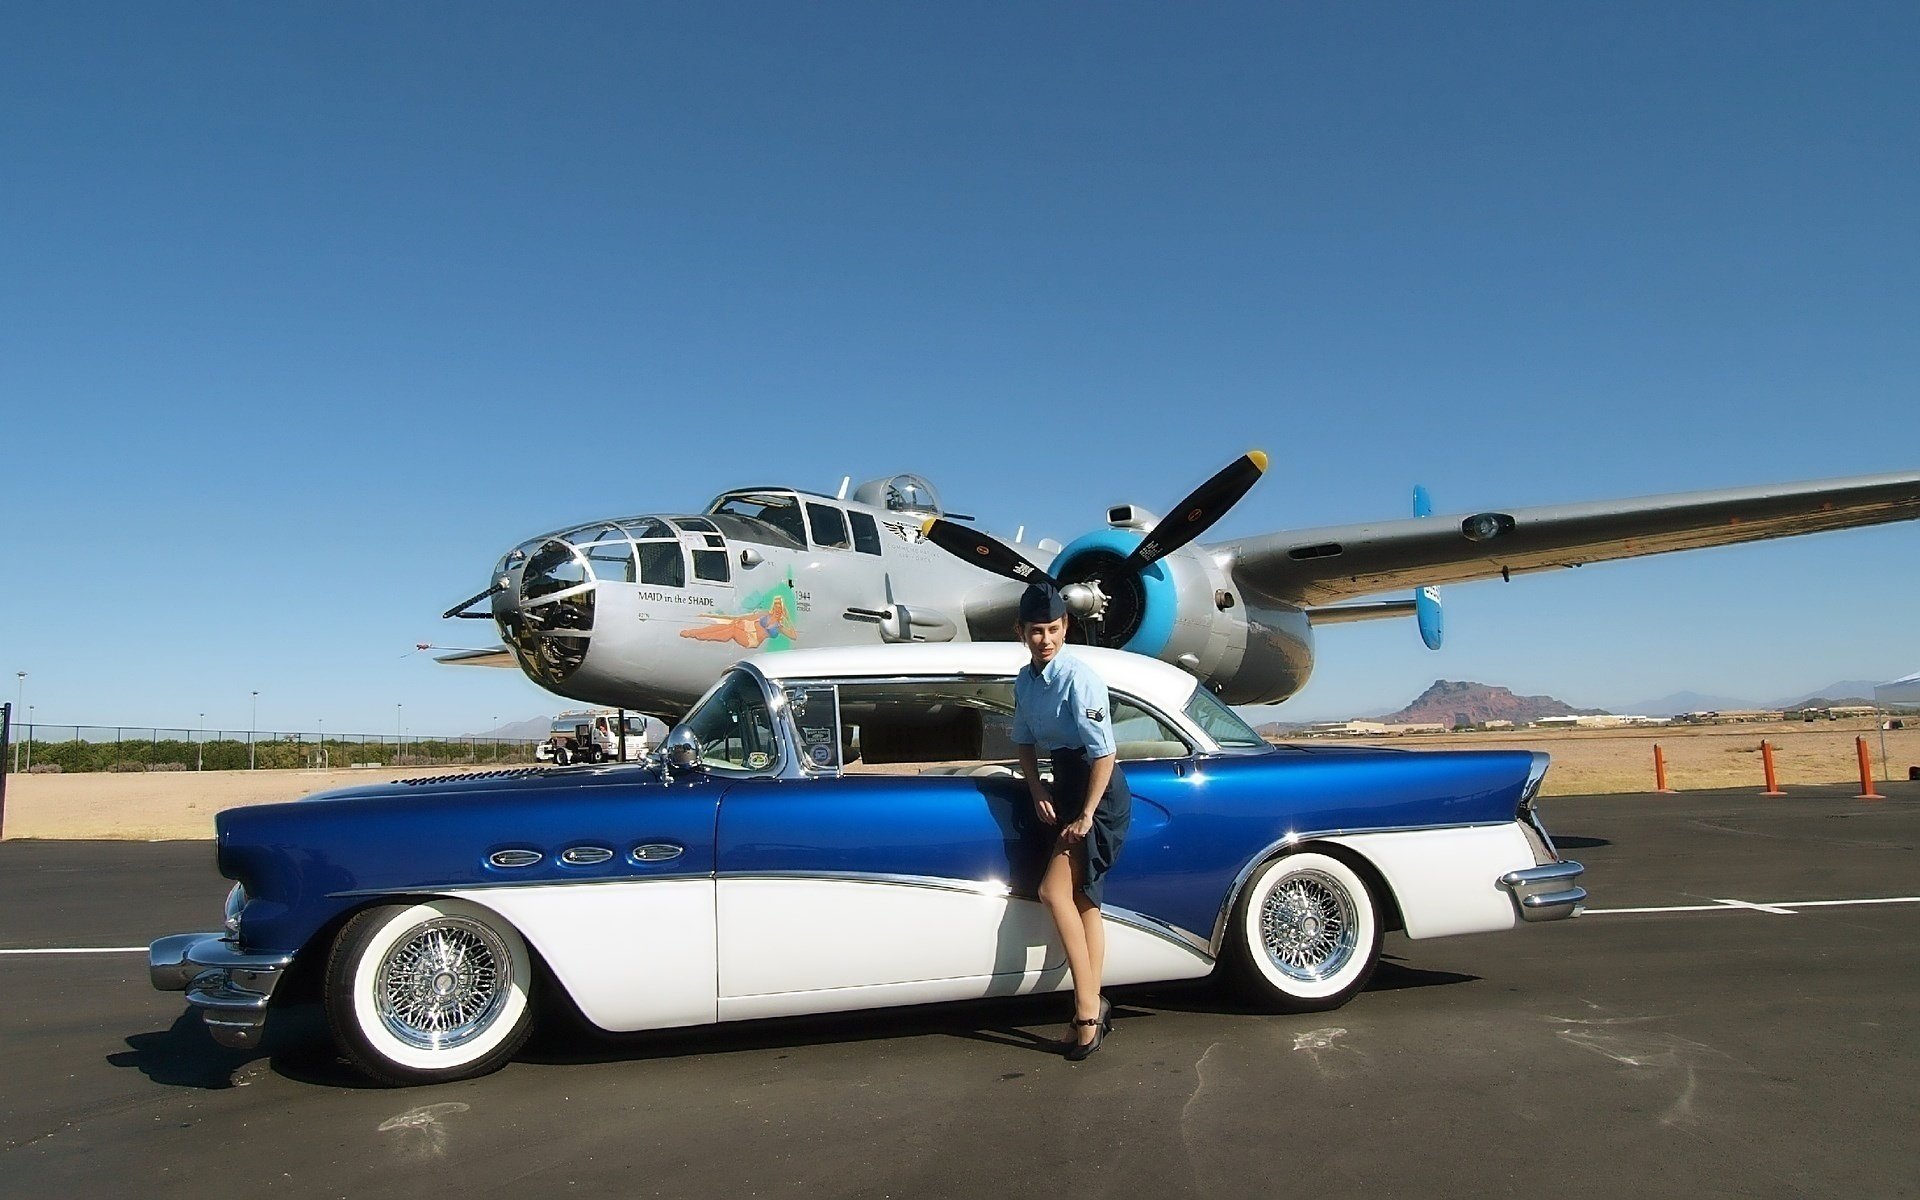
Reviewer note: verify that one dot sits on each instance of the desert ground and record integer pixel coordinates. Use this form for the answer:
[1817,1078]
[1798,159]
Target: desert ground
[169,805]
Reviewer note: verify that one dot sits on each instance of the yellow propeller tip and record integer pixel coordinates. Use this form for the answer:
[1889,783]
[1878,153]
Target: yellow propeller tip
[1259,458]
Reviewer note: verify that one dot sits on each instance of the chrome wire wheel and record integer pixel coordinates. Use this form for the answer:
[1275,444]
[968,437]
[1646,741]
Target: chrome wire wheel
[440,984]
[1306,933]
[1308,926]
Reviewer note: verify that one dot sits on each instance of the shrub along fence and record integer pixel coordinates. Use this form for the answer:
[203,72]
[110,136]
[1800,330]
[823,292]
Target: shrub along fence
[125,748]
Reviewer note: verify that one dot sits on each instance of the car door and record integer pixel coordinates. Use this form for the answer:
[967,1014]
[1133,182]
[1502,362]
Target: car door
[848,892]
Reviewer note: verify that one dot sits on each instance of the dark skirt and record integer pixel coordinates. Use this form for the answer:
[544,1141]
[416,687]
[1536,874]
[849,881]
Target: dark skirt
[1110,820]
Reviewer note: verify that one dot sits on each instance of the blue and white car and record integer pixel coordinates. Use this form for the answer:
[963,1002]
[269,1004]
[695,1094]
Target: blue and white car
[841,829]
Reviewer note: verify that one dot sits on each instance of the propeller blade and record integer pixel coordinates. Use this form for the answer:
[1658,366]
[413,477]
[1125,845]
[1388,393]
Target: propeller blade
[989,554]
[1195,514]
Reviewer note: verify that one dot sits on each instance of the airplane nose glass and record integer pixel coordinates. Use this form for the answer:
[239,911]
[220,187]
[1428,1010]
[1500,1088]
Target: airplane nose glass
[549,625]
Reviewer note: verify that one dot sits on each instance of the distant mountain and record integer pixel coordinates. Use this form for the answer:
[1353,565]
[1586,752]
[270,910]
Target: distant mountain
[1449,701]
[1675,703]
[531,729]
[1844,691]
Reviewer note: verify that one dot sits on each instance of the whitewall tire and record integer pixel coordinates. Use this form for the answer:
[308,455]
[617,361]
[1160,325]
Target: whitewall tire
[429,992]
[1305,934]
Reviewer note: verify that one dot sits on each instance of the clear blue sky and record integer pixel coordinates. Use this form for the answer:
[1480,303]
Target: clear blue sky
[309,311]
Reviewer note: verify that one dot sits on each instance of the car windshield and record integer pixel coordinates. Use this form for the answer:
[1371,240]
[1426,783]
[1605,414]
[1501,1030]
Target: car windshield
[734,728]
[1222,724]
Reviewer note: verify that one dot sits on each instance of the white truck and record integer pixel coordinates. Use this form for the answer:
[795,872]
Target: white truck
[592,735]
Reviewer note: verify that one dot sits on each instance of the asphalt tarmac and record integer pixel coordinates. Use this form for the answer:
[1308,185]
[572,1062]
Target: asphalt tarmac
[1718,1051]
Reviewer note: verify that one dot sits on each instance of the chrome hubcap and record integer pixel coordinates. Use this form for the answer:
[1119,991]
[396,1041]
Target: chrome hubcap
[1308,926]
[443,983]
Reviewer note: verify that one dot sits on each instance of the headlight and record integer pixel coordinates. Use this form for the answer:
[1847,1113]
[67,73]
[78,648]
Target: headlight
[236,900]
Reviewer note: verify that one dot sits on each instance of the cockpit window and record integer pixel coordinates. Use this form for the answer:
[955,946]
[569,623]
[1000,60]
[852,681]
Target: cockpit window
[829,526]
[711,565]
[866,534]
[662,564]
[780,510]
[695,524]
[734,727]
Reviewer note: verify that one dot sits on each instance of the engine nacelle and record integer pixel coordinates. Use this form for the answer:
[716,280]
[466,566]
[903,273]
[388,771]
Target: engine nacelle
[1186,610]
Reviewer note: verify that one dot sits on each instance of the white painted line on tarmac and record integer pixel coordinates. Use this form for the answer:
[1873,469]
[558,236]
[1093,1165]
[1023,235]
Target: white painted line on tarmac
[1783,908]
[1775,909]
[82,950]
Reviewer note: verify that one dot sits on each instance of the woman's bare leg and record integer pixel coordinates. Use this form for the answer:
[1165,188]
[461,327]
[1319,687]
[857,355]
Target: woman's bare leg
[1084,941]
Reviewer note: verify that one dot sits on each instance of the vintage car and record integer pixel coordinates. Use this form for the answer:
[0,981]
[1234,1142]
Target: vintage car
[842,829]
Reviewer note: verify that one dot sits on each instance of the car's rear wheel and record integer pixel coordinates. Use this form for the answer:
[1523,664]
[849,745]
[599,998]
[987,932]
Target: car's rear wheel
[428,992]
[1305,934]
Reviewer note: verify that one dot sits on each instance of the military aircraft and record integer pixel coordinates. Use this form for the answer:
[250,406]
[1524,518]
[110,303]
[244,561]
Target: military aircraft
[643,613]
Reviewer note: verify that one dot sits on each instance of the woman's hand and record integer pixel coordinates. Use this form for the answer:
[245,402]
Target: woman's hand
[1075,832]
[1043,806]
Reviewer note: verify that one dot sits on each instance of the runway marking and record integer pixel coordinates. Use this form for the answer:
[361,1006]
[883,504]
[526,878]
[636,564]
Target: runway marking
[1784,908]
[1775,909]
[82,950]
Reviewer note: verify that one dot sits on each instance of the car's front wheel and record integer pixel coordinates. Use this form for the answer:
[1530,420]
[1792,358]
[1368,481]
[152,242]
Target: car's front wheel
[428,992]
[1305,934]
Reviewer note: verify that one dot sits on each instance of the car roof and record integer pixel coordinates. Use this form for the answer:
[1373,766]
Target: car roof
[1149,679]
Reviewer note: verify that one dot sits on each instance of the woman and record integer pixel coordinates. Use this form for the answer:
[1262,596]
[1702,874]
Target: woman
[1060,704]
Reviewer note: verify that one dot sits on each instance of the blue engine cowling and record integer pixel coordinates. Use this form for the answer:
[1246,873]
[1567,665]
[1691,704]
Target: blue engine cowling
[1187,610]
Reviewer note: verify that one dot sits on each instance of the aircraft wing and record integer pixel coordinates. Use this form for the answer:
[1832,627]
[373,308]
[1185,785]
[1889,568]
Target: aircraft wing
[498,656]
[1343,562]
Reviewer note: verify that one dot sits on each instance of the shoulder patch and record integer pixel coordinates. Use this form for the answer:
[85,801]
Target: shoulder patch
[1096,714]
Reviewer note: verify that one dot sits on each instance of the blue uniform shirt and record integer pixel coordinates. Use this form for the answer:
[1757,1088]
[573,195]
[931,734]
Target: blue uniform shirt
[1063,706]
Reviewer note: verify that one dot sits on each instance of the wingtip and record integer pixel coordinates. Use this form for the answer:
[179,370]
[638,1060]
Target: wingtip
[1259,459]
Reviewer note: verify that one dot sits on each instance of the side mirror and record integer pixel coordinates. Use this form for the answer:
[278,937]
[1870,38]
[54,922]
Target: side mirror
[682,749]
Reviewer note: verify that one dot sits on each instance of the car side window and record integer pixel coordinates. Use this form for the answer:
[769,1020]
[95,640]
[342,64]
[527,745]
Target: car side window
[1138,734]
[734,727]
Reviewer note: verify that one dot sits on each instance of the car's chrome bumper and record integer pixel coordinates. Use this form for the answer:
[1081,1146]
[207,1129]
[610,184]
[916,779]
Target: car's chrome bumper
[229,986]
[1547,893]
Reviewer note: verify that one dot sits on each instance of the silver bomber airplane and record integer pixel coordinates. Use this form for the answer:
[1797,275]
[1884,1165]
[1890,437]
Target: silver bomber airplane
[645,612]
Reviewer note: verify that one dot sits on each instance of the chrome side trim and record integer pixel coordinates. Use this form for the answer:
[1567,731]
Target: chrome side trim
[1166,931]
[585,856]
[488,885]
[989,887]
[514,858]
[1266,855]
[652,852]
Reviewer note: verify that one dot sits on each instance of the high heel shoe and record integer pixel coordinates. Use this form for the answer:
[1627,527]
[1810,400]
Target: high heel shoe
[1102,1025]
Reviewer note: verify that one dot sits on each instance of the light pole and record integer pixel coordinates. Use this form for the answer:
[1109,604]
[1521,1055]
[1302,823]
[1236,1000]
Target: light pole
[399,739]
[200,742]
[19,699]
[322,723]
[1883,739]
[253,722]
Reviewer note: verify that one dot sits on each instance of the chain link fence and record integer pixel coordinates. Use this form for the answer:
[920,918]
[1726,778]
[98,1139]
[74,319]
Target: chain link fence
[65,748]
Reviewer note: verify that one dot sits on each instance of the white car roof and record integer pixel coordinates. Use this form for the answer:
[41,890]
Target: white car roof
[1161,684]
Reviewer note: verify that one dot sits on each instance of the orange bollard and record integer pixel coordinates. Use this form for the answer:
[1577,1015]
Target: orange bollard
[1660,770]
[1866,772]
[1766,759]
